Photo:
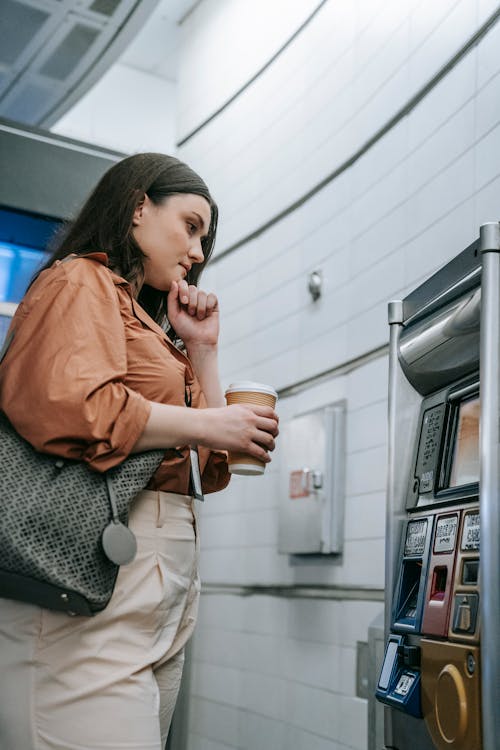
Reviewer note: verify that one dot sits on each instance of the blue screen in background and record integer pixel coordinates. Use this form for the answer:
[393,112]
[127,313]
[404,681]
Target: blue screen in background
[23,242]
[17,266]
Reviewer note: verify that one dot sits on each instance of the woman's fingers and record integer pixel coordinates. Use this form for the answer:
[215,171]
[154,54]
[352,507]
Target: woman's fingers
[198,302]
[261,454]
[193,300]
[265,430]
[183,292]
[247,428]
[265,440]
[201,305]
[212,302]
[268,425]
[267,418]
[172,299]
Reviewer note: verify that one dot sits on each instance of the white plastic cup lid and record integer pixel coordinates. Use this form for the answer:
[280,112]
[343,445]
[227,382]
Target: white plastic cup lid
[249,385]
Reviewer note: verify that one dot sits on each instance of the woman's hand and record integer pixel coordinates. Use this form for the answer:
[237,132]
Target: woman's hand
[194,314]
[246,428]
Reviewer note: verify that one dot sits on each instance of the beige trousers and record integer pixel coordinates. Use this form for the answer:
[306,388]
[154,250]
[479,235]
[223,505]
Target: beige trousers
[107,682]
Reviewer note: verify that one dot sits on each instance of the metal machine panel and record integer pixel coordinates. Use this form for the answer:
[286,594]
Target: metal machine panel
[441,350]
[444,475]
[439,339]
[446,454]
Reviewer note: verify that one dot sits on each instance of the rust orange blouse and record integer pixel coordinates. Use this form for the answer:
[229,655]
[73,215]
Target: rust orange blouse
[84,363]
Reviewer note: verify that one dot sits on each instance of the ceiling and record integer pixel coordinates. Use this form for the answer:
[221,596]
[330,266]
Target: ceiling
[52,51]
[154,49]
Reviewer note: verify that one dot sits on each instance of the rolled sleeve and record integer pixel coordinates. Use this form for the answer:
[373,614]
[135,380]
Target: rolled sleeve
[62,380]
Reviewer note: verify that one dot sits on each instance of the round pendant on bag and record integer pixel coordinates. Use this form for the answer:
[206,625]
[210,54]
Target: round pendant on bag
[119,543]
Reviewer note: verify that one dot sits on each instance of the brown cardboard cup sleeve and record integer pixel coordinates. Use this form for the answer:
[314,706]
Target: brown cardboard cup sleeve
[248,392]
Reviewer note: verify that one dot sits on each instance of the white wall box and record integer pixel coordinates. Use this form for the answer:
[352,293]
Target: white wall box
[311,513]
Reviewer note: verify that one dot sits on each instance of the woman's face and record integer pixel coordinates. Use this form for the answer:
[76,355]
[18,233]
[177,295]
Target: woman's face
[170,235]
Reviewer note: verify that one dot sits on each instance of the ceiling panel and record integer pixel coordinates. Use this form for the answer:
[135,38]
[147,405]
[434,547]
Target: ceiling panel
[69,52]
[51,49]
[20,25]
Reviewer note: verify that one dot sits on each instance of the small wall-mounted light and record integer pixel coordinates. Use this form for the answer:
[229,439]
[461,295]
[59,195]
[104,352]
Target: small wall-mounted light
[315,284]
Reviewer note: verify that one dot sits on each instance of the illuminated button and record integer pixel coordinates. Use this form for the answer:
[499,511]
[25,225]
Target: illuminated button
[465,613]
[464,617]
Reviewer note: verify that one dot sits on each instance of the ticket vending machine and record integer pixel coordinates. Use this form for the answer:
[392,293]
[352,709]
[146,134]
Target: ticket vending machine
[440,676]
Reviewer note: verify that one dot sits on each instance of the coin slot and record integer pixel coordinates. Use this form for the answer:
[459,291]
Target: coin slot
[439,578]
[410,586]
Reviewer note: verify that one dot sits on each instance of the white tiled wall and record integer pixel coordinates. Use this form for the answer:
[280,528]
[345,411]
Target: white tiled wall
[273,672]
[321,101]
[232,40]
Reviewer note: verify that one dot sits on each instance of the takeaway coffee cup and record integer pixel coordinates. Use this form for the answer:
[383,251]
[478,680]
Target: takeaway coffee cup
[248,392]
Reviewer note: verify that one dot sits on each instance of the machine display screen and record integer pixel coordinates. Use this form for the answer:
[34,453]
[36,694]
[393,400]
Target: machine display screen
[465,460]
[471,531]
[415,537]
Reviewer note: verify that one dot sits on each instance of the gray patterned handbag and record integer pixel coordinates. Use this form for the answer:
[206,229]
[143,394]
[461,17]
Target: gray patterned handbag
[63,531]
[63,527]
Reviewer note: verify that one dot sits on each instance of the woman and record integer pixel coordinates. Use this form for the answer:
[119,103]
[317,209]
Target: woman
[92,375]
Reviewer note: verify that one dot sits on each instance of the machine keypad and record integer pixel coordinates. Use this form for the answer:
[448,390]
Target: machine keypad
[429,445]
[432,427]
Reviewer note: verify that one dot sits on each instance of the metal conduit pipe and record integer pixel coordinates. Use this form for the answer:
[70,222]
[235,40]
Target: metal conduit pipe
[490,483]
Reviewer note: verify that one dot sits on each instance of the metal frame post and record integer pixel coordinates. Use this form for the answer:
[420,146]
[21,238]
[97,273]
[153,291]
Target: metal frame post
[490,483]
[395,317]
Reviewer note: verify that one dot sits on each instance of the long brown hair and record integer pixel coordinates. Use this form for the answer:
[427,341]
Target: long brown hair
[105,222]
